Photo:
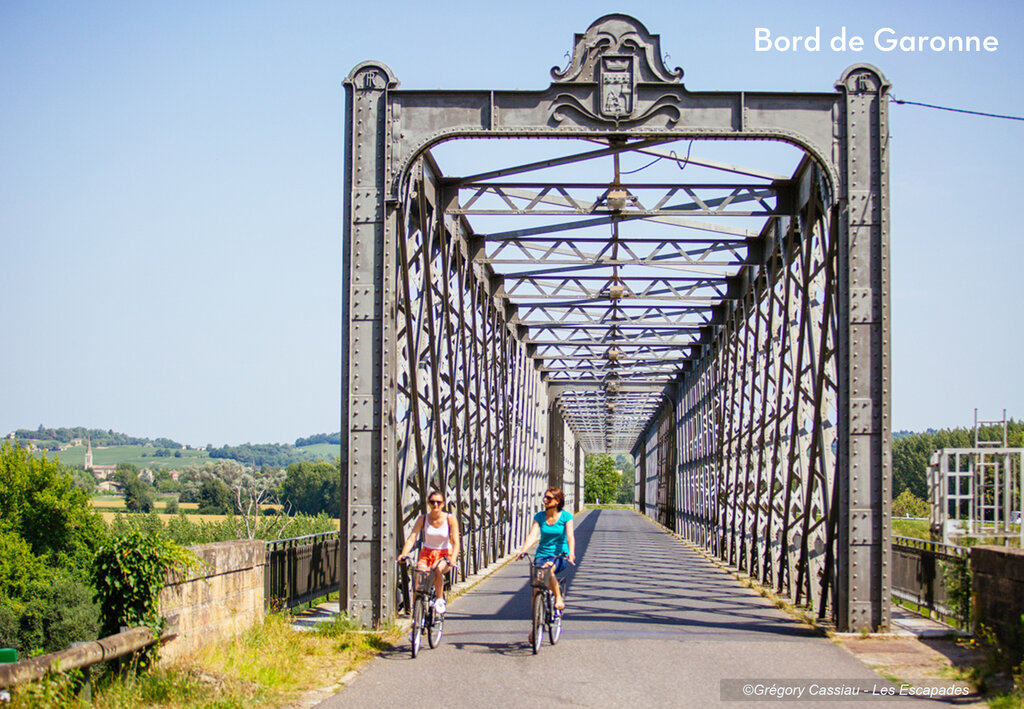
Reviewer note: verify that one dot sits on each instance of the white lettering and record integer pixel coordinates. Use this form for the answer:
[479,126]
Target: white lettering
[885,39]
[763,41]
[838,42]
[813,42]
[762,34]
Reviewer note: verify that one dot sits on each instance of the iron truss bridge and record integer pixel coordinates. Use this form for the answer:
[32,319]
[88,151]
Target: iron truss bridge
[543,297]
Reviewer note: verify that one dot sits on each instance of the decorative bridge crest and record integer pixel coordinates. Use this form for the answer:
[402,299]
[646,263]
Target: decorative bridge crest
[613,60]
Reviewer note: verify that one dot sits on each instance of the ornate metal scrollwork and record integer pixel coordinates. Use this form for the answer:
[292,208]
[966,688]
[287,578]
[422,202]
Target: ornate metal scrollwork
[612,61]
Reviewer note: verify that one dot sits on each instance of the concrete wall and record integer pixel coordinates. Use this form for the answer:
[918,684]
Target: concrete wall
[216,601]
[998,589]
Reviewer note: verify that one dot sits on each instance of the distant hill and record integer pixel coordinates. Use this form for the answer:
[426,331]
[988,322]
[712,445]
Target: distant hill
[57,438]
[320,438]
[110,448]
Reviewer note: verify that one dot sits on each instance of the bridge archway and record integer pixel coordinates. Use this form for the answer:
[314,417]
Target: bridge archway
[745,368]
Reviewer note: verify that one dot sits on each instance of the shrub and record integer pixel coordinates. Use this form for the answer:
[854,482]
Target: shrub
[128,574]
[59,612]
[19,567]
[909,505]
[40,503]
[8,625]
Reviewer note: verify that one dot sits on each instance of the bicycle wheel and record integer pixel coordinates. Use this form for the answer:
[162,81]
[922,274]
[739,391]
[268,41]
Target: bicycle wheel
[419,609]
[435,628]
[538,620]
[555,626]
[555,622]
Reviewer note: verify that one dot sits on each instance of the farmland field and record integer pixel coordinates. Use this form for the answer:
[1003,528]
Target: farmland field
[145,456]
[321,451]
[110,505]
[141,456]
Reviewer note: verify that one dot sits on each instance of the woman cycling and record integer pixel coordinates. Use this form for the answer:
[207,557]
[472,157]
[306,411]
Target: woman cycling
[557,546]
[440,541]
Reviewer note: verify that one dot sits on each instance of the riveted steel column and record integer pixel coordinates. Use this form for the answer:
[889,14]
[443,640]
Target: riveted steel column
[577,497]
[368,521]
[556,444]
[864,455]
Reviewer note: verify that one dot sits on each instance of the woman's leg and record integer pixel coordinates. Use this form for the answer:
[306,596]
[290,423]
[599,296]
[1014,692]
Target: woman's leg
[557,590]
[439,580]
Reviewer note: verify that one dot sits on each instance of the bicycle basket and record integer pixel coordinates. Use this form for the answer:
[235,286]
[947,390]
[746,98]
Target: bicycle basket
[421,580]
[539,576]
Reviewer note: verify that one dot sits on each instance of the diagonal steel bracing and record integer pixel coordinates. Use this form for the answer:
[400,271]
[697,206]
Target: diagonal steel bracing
[731,331]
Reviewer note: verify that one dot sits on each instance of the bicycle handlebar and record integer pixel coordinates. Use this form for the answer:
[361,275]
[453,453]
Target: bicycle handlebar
[407,559]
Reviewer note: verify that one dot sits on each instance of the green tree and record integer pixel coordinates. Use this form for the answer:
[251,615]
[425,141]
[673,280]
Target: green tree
[125,472]
[58,612]
[47,532]
[625,494]
[83,479]
[313,487]
[19,567]
[40,503]
[600,481]
[911,452]
[909,505]
[910,456]
[138,497]
[214,498]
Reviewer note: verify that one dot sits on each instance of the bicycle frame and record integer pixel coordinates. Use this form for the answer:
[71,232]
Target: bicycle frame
[422,610]
[543,603]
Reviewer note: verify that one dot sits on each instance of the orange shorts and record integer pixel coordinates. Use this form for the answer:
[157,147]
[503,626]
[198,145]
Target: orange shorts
[431,556]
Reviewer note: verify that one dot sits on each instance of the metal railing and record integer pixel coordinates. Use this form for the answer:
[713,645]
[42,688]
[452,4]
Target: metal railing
[922,575]
[302,569]
[81,656]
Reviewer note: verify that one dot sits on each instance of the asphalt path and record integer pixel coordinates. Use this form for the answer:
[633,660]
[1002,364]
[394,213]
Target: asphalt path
[649,622]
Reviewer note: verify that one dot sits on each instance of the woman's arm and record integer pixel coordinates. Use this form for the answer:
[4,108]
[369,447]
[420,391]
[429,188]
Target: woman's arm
[530,539]
[454,536]
[570,538]
[412,537]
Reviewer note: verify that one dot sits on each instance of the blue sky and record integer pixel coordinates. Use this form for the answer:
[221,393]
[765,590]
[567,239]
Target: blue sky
[171,191]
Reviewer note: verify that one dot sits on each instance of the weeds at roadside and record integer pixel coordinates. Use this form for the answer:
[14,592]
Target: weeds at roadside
[269,665]
[1001,675]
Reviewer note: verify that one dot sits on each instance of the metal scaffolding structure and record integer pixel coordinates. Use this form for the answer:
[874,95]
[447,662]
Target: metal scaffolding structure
[979,491]
[732,334]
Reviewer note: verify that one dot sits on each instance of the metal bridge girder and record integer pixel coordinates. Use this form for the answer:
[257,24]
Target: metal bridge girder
[759,413]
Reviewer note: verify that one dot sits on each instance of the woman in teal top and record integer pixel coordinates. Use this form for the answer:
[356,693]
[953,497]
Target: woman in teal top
[557,546]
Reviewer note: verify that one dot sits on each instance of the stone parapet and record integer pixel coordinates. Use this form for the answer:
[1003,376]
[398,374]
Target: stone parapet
[998,589]
[217,600]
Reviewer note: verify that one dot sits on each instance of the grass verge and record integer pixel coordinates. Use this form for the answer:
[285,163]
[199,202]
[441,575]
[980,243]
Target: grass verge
[270,665]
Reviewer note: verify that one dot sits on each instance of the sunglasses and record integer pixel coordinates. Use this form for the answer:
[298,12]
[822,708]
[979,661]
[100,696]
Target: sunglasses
[548,497]
[436,502]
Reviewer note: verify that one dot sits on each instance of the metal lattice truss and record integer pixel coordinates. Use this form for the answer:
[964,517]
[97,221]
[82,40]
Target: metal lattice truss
[602,301]
[731,330]
[758,420]
[468,398]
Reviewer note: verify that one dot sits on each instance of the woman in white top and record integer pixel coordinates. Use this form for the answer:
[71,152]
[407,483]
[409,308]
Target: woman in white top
[440,541]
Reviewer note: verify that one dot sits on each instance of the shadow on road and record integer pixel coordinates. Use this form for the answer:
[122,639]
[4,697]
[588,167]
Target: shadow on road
[632,577]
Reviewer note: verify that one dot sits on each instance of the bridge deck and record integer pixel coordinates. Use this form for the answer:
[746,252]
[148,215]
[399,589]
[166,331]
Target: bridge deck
[648,620]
